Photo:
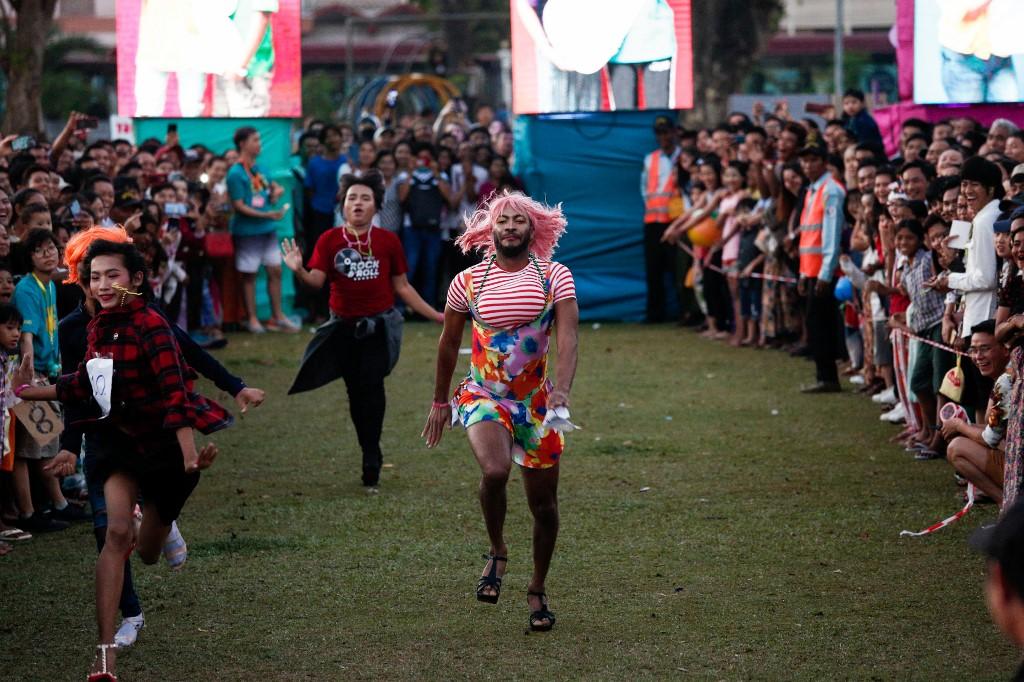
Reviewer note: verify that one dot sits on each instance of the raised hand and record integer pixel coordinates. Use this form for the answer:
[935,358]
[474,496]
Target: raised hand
[292,255]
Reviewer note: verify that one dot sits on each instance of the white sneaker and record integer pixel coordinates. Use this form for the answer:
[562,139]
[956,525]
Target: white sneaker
[129,630]
[896,415]
[857,379]
[886,397]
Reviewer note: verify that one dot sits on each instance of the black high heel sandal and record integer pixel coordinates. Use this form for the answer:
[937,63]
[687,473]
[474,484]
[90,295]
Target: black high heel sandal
[492,580]
[541,614]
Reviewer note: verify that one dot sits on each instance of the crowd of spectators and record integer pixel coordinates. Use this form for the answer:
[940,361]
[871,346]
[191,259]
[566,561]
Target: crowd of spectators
[208,221]
[904,272]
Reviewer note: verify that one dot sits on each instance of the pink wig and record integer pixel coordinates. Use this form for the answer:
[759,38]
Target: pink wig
[548,224]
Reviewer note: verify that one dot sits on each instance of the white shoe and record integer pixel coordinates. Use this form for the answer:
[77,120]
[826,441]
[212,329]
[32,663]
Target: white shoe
[886,397]
[896,415]
[129,630]
[857,379]
[175,550]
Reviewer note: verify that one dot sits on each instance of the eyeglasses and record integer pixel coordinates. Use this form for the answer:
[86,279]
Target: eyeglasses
[979,350]
[44,250]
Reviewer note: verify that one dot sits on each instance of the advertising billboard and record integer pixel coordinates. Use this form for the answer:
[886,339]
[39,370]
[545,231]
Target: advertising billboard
[196,58]
[968,51]
[601,55]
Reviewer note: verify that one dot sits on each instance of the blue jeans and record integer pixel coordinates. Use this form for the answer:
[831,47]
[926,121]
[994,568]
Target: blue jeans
[423,253]
[750,298]
[967,78]
[129,604]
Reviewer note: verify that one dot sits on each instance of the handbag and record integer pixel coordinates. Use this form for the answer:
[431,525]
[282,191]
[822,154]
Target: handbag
[219,245]
[953,383]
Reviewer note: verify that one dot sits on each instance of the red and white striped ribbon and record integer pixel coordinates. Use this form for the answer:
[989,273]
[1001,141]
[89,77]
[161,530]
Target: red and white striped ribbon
[755,275]
[929,342]
[944,522]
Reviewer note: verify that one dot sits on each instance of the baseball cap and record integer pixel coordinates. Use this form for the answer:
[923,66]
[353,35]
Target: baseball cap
[1002,226]
[1018,173]
[1004,542]
[663,123]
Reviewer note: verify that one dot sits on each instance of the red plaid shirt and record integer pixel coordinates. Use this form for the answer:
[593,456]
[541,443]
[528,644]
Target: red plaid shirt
[152,386]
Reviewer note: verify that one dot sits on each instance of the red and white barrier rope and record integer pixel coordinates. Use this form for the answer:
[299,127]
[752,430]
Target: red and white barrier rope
[723,271]
[929,342]
[944,522]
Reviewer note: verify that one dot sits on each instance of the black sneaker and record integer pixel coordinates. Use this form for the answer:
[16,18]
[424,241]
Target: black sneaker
[71,513]
[37,523]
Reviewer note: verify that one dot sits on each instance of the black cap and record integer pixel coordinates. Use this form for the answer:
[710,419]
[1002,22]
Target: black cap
[1002,226]
[983,171]
[1009,205]
[814,150]
[663,124]
[1004,542]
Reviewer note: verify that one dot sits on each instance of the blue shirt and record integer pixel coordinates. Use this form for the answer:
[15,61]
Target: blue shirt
[322,179]
[38,306]
[831,224]
[241,187]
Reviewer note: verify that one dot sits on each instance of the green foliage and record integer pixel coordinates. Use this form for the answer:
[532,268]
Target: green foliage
[67,88]
[728,543]
[321,94]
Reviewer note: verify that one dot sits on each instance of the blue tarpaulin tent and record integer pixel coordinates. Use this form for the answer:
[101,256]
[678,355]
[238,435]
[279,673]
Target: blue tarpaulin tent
[592,164]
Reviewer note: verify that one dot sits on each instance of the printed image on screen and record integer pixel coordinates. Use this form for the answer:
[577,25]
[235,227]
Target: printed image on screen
[601,55]
[968,51]
[223,58]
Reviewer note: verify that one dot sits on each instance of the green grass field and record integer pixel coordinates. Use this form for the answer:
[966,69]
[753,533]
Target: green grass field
[765,546]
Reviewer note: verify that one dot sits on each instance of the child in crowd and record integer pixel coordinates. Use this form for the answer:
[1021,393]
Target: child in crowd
[35,296]
[750,261]
[10,336]
[6,283]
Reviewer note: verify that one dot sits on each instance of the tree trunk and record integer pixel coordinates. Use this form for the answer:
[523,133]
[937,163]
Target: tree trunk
[728,36]
[24,66]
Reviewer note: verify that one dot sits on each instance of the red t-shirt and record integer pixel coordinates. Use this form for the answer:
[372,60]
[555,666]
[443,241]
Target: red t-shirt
[359,271]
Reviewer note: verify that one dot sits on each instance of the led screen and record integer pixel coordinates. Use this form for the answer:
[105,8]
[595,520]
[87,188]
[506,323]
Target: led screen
[194,58]
[601,55]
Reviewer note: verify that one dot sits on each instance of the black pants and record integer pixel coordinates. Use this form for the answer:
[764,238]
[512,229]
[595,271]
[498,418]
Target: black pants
[823,332]
[659,260]
[625,86]
[364,367]
[716,294]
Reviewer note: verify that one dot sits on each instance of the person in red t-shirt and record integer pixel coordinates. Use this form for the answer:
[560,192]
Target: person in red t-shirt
[366,268]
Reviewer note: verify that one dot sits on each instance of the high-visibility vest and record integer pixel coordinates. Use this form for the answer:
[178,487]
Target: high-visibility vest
[812,218]
[657,201]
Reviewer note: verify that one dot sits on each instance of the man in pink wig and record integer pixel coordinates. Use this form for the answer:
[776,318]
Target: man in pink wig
[511,411]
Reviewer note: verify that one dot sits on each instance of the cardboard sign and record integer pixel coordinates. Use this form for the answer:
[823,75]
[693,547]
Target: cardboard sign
[122,128]
[41,419]
[101,376]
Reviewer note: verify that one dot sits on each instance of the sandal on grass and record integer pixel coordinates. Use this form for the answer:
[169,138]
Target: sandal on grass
[542,614]
[103,675]
[492,580]
[15,535]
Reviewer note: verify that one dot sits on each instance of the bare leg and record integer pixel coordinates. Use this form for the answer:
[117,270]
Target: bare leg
[249,290]
[274,291]
[492,446]
[970,458]
[23,487]
[120,492]
[152,535]
[542,495]
[51,483]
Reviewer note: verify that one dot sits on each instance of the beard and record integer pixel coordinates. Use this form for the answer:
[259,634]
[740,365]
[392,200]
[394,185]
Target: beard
[514,251]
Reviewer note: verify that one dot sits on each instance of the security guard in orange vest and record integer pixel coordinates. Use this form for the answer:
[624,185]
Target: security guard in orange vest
[662,199]
[821,228]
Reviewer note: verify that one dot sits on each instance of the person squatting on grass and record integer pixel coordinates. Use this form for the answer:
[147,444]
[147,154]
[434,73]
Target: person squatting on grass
[515,298]
[365,267]
[147,400]
[75,439]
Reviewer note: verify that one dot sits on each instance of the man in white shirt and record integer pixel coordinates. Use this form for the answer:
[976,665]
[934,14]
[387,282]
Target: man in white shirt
[981,184]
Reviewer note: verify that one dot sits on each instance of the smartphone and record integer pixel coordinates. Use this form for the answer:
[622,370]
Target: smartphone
[75,208]
[175,209]
[22,143]
[959,230]
[87,123]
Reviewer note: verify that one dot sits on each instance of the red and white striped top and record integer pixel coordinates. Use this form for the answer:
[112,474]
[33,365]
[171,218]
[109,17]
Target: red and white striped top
[511,299]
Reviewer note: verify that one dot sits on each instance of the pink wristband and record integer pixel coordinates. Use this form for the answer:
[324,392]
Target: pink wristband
[440,404]
[21,389]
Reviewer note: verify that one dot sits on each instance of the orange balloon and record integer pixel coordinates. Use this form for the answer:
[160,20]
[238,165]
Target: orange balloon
[705,233]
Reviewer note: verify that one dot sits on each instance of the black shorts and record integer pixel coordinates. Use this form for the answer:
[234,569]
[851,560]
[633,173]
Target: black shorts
[156,466]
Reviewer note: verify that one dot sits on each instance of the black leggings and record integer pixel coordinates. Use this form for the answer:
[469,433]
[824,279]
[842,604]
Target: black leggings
[364,369]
